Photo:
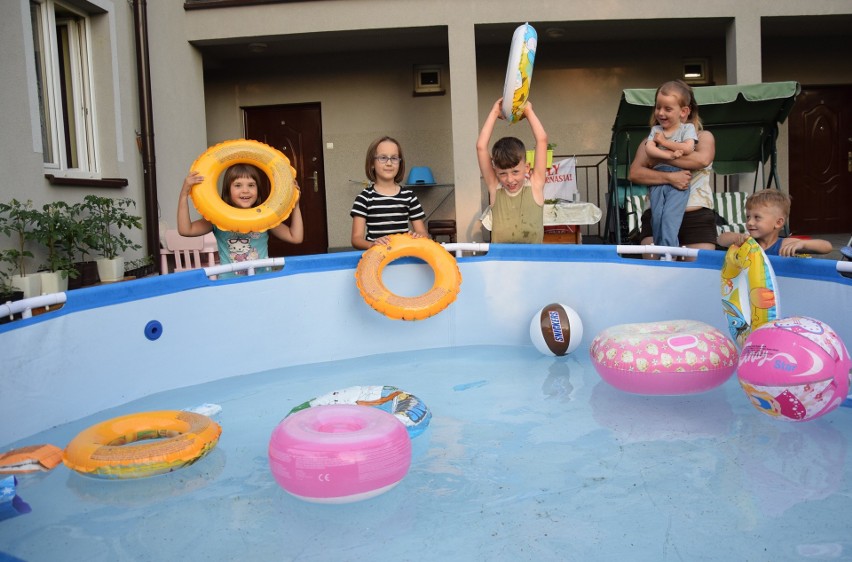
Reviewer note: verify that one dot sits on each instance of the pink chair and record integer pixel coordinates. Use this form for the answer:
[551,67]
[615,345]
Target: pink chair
[188,251]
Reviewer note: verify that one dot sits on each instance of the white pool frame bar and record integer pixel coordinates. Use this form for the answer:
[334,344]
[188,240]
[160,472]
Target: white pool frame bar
[97,350]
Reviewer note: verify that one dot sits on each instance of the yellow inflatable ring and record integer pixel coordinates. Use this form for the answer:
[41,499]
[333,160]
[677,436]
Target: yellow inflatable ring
[268,214]
[516,88]
[110,449]
[368,276]
[749,290]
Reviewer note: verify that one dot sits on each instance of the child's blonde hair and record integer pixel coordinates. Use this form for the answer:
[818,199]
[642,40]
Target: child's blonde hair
[770,198]
[686,98]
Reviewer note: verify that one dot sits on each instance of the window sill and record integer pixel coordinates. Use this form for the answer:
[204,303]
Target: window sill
[86,182]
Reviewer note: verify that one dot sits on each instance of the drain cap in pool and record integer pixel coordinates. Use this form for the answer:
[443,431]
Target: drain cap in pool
[421,175]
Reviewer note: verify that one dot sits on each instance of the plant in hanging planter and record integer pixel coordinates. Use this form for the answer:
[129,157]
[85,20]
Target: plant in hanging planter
[17,220]
[106,219]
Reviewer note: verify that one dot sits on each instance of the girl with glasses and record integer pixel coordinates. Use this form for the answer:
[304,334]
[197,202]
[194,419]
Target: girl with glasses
[384,207]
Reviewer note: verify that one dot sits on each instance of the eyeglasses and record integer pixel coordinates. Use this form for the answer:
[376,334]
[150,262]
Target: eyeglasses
[392,159]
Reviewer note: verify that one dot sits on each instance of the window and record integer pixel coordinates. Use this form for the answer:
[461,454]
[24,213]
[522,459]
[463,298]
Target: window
[63,76]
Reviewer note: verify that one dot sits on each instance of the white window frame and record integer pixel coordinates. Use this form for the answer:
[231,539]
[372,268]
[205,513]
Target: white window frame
[70,110]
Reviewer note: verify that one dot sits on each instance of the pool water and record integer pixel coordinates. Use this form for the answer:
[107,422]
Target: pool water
[527,458]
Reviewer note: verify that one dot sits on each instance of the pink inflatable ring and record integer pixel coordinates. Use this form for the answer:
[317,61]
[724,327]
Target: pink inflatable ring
[339,453]
[673,357]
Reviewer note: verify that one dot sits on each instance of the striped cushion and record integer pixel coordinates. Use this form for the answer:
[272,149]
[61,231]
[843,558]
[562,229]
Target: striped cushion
[633,208]
[731,206]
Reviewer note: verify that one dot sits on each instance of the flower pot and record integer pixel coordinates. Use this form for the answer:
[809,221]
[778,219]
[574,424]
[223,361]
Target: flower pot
[531,158]
[54,282]
[29,284]
[87,274]
[111,270]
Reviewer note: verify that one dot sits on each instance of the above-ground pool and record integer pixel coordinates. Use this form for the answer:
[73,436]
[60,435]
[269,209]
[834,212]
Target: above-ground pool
[527,457]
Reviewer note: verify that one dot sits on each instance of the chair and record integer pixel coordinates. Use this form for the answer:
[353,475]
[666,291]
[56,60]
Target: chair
[187,251]
[731,207]
[744,120]
[442,228]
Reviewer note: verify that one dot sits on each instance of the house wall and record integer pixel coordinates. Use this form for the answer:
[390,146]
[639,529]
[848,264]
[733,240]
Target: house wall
[116,113]
[367,93]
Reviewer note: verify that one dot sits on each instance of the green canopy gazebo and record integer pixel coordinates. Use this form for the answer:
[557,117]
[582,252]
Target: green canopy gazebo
[744,120]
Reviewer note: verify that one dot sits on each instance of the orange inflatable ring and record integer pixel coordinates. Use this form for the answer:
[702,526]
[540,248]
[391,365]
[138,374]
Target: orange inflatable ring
[110,449]
[368,276]
[270,213]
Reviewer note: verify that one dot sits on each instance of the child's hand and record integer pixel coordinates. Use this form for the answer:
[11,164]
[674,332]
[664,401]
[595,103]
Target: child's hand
[416,235]
[497,109]
[194,178]
[791,246]
[676,154]
[659,137]
[384,241]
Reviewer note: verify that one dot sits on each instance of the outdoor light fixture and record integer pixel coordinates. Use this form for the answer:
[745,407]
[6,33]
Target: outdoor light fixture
[427,80]
[696,71]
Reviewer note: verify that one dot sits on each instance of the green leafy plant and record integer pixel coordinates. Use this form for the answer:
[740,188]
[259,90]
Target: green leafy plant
[105,220]
[140,267]
[7,262]
[60,231]
[17,220]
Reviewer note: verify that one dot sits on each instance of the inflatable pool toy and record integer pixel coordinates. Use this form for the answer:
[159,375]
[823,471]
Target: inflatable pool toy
[673,357]
[268,214]
[556,329]
[30,459]
[111,449]
[11,504]
[407,408]
[368,276]
[749,295]
[516,88]
[339,453]
[795,369]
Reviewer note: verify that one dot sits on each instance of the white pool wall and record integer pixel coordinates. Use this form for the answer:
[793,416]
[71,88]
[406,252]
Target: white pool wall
[93,353]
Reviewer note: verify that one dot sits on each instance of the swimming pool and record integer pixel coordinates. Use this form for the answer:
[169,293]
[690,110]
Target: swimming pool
[528,457]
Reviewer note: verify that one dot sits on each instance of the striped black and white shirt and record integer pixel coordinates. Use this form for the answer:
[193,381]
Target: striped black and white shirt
[386,214]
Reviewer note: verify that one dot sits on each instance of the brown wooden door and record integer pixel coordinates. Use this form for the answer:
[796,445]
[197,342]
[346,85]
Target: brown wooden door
[296,130]
[821,160]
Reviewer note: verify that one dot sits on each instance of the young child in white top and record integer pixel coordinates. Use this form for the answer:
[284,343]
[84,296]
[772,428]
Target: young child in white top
[674,134]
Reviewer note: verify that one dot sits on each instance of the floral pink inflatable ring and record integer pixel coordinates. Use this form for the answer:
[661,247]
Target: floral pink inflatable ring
[339,453]
[672,357]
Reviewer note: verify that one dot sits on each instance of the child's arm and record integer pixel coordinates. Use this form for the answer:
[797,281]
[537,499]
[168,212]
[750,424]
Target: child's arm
[655,152]
[539,171]
[293,233]
[483,155]
[359,234]
[185,225]
[791,246]
[418,226]
[727,239]
[677,149]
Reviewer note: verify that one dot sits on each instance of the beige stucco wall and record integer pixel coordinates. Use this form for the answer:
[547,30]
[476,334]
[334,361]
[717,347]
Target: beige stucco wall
[363,94]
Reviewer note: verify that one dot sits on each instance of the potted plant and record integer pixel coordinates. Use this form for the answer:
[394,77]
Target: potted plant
[138,268]
[106,219]
[17,220]
[7,291]
[531,155]
[59,231]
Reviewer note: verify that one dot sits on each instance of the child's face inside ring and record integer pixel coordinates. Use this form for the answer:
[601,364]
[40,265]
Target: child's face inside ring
[243,192]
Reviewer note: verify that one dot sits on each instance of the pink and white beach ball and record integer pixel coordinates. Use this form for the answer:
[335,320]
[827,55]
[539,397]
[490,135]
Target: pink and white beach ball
[795,369]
